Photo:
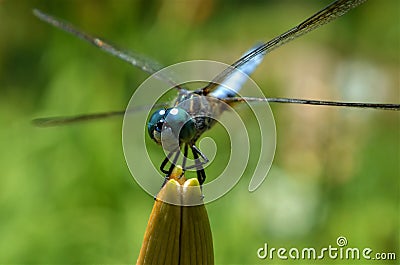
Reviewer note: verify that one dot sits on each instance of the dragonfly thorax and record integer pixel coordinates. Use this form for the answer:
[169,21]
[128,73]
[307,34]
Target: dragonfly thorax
[171,126]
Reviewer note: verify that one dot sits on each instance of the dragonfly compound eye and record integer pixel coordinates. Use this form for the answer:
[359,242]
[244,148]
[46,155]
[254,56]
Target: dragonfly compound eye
[175,122]
[181,123]
[155,124]
[159,125]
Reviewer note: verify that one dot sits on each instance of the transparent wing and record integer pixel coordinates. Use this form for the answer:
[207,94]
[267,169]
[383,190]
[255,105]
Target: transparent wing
[316,102]
[66,120]
[145,64]
[326,15]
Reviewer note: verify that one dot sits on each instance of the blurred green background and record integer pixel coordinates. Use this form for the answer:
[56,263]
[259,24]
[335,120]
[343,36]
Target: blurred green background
[66,194]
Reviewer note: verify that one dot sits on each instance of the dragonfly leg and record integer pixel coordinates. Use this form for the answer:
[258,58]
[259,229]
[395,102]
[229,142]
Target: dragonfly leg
[171,167]
[196,152]
[201,174]
[184,160]
[164,163]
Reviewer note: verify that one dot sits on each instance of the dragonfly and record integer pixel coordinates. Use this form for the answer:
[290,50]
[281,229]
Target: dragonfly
[180,125]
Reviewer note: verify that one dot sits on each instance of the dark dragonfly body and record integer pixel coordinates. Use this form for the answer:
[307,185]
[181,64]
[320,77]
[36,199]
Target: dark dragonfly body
[194,112]
[183,124]
[200,109]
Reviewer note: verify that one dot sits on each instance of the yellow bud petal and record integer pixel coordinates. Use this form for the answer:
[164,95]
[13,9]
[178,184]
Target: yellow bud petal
[177,234]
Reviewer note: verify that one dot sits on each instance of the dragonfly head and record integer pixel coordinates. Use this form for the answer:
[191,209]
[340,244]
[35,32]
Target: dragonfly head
[174,124]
